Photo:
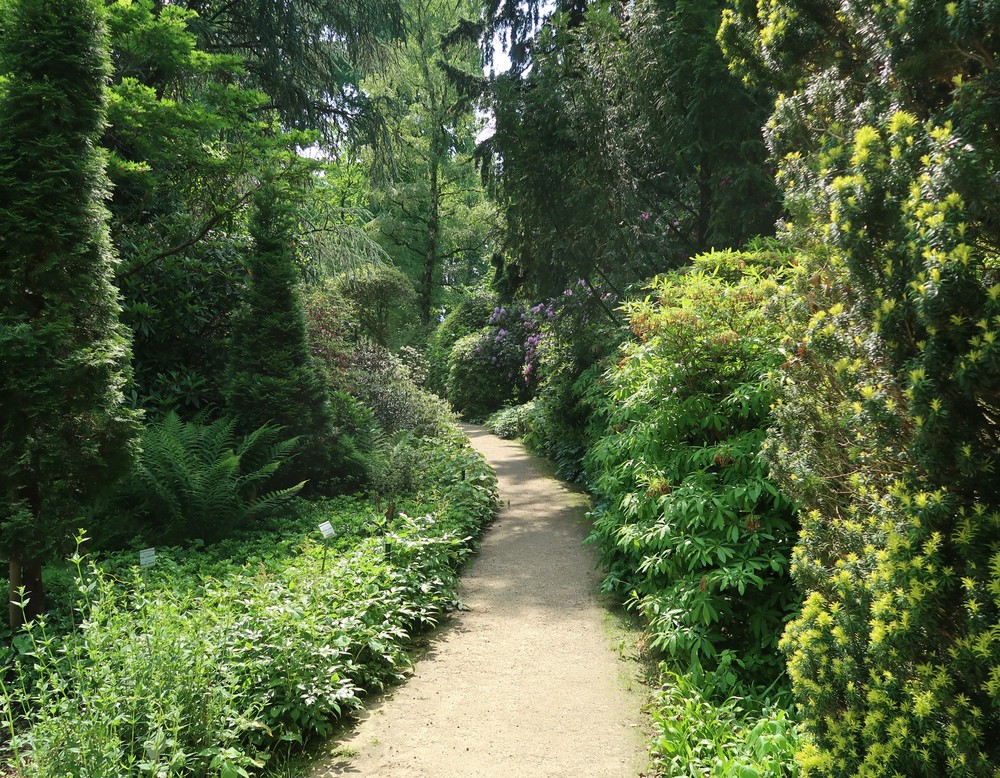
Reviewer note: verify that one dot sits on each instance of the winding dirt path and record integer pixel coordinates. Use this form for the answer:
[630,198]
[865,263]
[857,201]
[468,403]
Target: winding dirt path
[525,684]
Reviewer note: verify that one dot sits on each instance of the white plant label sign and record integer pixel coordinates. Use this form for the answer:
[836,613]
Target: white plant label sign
[327,529]
[147,557]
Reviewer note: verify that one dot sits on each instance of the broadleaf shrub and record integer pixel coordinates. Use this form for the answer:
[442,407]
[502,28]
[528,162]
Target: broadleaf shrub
[473,389]
[472,313]
[180,311]
[578,336]
[687,520]
[380,297]
[385,385]
[493,366]
[389,386]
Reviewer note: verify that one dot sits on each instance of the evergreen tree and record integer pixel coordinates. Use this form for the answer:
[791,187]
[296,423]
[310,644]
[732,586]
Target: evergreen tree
[693,130]
[628,147]
[186,143]
[888,432]
[64,433]
[273,377]
[307,55]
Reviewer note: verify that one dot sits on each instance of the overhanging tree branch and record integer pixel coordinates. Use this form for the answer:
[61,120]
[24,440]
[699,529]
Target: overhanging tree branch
[200,235]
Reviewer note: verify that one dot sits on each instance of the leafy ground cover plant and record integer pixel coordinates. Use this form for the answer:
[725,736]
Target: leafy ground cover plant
[206,663]
[696,735]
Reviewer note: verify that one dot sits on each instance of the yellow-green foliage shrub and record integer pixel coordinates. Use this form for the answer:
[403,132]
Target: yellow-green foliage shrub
[896,655]
[895,658]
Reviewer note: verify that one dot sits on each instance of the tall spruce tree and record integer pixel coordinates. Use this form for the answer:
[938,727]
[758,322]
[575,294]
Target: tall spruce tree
[273,378]
[306,55]
[64,431]
[627,148]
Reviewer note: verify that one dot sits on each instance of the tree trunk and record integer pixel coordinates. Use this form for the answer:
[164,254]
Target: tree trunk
[26,573]
[430,255]
[703,222]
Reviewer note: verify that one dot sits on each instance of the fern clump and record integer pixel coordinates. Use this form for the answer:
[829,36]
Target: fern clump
[203,480]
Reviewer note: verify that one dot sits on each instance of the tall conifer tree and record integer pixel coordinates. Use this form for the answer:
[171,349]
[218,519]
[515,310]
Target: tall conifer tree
[64,431]
[433,213]
[273,378]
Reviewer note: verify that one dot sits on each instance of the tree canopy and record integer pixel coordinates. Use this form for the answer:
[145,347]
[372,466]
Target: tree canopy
[627,147]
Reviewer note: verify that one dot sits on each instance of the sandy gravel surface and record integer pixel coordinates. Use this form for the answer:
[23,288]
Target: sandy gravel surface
[525,684]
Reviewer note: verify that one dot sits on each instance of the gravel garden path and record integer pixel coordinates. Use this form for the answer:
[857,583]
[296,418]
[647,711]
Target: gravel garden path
[526,683]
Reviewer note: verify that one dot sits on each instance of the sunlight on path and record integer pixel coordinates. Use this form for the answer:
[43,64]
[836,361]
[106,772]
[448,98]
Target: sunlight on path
[525,684]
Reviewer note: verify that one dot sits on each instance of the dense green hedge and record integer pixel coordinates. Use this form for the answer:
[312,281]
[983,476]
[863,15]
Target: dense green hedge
[205,663]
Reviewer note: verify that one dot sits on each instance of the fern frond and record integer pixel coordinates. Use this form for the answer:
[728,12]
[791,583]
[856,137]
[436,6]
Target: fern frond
[197,479]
